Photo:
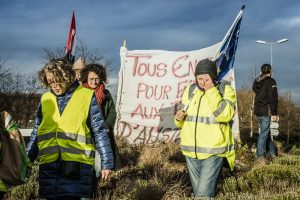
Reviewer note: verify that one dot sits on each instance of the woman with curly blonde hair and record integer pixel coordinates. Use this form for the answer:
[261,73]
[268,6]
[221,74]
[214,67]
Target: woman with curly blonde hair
[59,72]
[68,129]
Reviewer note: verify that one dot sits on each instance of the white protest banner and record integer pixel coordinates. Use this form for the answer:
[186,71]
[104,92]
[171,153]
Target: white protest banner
[150,82]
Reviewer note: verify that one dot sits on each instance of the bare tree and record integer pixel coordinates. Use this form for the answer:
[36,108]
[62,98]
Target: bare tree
[6,77]
[31,89]
[53,54]
[83,51]
[89,57]
[245,97]
[289,115]
[18,93]
[93,57]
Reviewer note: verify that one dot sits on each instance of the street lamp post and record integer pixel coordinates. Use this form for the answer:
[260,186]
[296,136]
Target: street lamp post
[271,45]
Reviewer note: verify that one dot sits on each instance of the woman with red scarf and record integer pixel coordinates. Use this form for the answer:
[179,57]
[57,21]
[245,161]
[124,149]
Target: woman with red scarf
[94,76]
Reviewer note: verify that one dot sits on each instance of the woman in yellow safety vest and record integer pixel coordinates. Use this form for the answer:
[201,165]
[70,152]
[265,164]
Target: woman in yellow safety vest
[68,129]
[205,122]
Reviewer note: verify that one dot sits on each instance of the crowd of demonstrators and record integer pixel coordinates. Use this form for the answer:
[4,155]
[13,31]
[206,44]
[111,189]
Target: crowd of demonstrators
[76,118]
[68,129]
[206,137]
[265,109]
[94,76]
[72,122]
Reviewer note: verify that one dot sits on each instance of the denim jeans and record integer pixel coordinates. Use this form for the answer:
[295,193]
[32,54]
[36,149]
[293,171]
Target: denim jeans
[264,138]
[204,175]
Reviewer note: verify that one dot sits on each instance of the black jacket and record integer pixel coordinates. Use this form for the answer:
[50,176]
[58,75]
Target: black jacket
[266,96]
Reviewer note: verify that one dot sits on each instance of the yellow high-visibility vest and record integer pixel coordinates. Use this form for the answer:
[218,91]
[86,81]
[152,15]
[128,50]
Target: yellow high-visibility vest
[206,130]
[67,135]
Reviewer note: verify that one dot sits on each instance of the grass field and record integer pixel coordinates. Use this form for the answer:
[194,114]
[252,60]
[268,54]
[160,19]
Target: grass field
[159,172]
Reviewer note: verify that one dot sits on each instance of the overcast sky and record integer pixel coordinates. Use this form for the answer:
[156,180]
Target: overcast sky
[26,27]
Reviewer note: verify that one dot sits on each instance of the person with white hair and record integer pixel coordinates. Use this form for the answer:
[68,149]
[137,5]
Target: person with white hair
[78,66]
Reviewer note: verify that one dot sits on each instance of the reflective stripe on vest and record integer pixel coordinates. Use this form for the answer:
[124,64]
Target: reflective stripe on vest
[200,119]
[206,150]
[66,135]
[57,148]
[222,107]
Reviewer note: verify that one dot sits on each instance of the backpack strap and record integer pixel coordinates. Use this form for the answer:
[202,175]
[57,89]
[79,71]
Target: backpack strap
[191,90]
[191,94]
[221,88]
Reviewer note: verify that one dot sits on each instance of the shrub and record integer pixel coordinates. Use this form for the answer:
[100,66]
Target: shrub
[159,172]
[28,190]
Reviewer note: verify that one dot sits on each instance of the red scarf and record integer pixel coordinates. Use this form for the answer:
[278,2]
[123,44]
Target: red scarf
[99,92]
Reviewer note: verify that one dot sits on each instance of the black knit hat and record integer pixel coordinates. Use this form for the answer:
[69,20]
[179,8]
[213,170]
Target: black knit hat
[207,66]
[266,68]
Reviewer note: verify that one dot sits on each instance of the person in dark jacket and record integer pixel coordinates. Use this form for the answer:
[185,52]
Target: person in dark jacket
[68,129]
[265,108]
[94,76]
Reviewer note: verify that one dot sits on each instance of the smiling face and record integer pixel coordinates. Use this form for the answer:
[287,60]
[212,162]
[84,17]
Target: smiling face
[93,80]
[58,88]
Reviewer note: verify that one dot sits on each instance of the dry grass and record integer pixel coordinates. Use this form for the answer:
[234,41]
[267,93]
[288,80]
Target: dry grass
[28,190]
[159,172]
[280,179]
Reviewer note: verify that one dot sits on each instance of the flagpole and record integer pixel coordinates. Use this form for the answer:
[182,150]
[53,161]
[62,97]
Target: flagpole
[120,89]
[71,41]
[124,43]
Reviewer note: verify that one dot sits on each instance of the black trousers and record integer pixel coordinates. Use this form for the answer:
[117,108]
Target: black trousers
[2,195]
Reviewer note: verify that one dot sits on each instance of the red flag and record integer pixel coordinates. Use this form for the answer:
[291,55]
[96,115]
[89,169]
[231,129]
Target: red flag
[71,42]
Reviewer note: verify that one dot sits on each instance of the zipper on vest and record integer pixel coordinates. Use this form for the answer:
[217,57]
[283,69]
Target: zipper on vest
[197,123]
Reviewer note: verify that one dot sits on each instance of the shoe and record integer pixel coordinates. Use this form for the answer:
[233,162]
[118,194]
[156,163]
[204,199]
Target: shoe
[260,161]
[273,156]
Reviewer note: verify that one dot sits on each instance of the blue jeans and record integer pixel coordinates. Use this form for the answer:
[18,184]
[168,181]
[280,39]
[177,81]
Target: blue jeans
[204,175]
[264,138]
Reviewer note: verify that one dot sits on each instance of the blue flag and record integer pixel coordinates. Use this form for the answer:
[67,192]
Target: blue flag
[226,52]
